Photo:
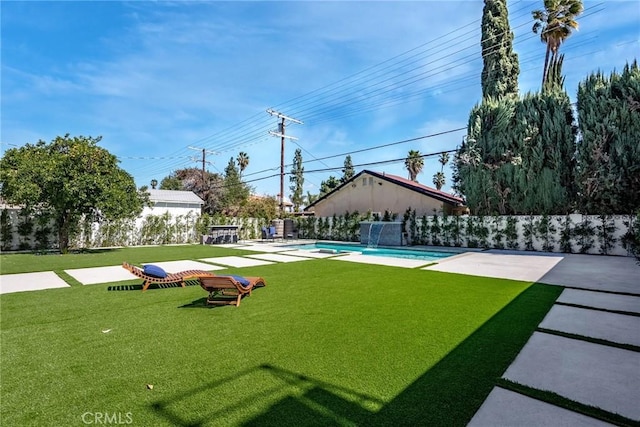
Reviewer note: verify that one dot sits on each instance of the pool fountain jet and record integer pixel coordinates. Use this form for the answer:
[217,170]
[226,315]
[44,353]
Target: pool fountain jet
[385,233]
[375,231]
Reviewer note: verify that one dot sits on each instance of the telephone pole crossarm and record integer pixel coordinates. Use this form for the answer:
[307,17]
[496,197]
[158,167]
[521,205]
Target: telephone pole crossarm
[282,116]
[204,156]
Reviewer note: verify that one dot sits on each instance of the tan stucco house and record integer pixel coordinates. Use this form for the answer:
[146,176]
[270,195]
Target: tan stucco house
[370,191]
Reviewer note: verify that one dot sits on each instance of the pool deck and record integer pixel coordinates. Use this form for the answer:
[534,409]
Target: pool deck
[586,349]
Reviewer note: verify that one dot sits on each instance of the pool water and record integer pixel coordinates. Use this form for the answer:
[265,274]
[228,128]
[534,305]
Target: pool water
[394,253]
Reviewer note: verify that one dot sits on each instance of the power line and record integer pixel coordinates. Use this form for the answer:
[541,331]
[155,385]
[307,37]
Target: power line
[330,169]
[255,131]
[317,112]
[377,147]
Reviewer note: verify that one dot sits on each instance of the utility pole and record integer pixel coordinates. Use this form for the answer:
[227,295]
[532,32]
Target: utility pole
[281,134]
[204,159]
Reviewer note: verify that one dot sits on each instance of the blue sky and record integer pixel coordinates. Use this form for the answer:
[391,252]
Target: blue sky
[155,78]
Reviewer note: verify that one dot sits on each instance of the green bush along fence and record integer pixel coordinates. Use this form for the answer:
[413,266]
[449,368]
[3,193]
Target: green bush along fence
[576,233]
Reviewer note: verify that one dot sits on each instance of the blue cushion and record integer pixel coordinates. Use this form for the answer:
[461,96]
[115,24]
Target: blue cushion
[244,282]
[154,271]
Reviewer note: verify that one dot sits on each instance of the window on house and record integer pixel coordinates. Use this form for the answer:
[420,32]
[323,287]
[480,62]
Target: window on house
[364,181]
[370,180]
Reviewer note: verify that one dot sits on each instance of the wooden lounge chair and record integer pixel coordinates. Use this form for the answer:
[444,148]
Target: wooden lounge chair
[170,278]
[220,288]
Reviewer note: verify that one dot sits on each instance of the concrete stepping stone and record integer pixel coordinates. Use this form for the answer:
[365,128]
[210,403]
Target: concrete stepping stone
[597,272]
[602,300]
[265,248]
[525,267]
[593,374]
[22,282]
[236,261]
[312,253]
[508,408]
[383,260]
[96,275]
[618,328]
[278,257]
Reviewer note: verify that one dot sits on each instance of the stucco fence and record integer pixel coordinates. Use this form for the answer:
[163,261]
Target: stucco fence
[575,233]
[20,232]
[589,234]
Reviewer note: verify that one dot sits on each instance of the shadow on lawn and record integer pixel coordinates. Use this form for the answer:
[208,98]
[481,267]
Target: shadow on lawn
[138,287]
[202,302]
[301,408]
[449,393]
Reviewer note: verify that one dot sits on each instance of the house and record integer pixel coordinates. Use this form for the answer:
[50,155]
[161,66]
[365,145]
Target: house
[176,203]
[370,191]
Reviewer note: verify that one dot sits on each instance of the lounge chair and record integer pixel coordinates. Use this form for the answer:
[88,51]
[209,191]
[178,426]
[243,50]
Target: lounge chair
[222,287]
[150,277]
[268,233]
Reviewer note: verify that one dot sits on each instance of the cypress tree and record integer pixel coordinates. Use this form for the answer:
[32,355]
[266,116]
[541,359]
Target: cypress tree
[501,68]
[297,181]
[608,173]
[235,191]
[348,171]
[518,156]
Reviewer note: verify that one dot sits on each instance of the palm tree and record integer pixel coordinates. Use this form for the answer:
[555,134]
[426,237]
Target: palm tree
[414,164]
[243,162]
[439,178]
[555,24]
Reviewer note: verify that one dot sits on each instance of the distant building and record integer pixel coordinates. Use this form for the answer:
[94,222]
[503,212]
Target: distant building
[370,191]
[176,203]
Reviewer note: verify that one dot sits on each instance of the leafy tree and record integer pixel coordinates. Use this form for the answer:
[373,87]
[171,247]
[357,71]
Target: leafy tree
[555,24]
[171,182]
[69,178]
[608,176]
[209,187]
[243,162]
[500,70]
[414,164]
[329,185]
[347,171]
[261,207]
[297,180]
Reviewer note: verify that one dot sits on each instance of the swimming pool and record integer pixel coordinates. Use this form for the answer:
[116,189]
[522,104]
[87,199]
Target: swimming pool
[394,253]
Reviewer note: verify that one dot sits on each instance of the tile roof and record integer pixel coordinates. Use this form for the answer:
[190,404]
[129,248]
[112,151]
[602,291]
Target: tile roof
[439,194]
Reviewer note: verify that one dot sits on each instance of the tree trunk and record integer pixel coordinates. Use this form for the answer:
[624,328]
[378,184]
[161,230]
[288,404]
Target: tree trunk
[64,225]
[546,66]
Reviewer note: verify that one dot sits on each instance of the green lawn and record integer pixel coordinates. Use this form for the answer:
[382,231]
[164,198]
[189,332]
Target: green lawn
[324,343]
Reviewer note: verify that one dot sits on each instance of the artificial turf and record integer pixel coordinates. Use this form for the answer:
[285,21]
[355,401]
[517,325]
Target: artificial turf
[324,343]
